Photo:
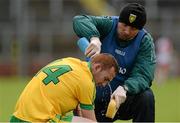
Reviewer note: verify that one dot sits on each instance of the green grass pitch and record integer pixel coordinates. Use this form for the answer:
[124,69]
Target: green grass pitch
[167,96]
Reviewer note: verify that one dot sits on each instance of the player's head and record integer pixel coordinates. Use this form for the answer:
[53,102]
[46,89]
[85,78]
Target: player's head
[104,68]
[132,19]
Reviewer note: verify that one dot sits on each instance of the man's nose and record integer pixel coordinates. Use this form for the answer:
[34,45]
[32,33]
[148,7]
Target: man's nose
[104,84]
[127,30]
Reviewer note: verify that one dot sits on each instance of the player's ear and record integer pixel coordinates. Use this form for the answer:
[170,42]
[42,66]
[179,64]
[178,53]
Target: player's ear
[98,67]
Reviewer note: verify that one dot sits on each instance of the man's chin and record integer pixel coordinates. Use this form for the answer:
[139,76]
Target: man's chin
[125,39]
[99,85]
[122,38]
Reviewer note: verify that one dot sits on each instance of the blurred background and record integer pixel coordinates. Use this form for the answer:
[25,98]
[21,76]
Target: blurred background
[35,32]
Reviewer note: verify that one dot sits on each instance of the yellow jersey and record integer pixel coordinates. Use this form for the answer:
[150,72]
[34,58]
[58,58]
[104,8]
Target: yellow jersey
[57,89]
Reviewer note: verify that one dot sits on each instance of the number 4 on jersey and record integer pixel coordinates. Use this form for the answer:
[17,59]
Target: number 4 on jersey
[53,72]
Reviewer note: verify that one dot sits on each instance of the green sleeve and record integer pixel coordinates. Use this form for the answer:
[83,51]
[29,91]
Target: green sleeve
[92,26]
[86,107]
[142,74]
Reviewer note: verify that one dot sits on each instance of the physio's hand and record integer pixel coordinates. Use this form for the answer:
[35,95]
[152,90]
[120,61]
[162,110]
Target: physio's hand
[94,47]
[119,95]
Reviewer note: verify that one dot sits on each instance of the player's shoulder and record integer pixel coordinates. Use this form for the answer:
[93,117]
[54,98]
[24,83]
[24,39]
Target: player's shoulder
[147,35]
[147,39]
[72,59]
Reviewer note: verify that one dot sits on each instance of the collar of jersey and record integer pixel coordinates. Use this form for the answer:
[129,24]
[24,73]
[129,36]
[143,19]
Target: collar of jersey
[94,94]
[89,66]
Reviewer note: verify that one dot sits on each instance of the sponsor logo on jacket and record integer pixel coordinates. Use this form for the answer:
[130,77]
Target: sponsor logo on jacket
[122,53]
[122,70]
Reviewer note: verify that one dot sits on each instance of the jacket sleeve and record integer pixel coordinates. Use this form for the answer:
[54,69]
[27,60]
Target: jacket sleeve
[142,74]
[92,26]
